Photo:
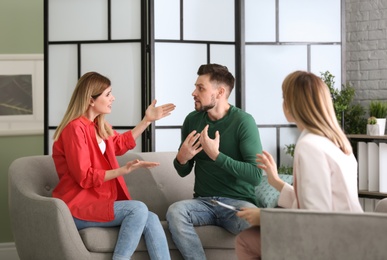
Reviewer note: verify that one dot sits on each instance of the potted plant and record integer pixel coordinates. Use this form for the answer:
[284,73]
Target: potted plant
[288,170]
[372,126]
[350,115]
[378,109]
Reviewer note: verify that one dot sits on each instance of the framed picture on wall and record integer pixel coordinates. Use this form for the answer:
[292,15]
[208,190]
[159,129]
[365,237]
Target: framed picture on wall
[21,94]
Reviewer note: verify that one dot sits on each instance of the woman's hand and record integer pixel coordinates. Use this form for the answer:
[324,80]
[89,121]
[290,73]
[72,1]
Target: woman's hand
[266,162]
[129,167]
[154,113]
[251,215]
[136,164]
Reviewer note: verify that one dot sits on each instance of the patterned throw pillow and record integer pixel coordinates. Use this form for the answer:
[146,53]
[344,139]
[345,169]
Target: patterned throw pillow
[267,196]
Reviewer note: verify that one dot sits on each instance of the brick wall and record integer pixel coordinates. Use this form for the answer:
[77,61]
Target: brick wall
[366,48]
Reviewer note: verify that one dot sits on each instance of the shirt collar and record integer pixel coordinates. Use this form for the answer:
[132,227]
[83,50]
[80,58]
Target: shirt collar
[86,121]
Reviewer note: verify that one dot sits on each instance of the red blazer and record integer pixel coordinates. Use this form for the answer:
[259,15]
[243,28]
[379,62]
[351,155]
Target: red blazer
[81,169]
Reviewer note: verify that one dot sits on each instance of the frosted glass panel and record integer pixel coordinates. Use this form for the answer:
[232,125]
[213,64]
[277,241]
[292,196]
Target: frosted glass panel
[73,20]
[209,20]
[287,136]
[266,68]
[121,63]
[176,67]
[167,19]
[167,140]
[63,77]
[260,20]
[268,140]
[126,19]
[224,55]
[50,141]
[327,58]
[310,21]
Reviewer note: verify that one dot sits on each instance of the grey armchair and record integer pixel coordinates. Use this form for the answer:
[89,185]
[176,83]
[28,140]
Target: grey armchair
[304,234]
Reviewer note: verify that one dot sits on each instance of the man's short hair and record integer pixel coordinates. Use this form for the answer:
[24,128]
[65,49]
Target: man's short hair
[218,73]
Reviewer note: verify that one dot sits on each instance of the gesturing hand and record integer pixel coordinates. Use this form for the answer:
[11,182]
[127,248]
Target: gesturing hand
[190,147]
[210,146]
[266,162]
[153,113]
[136,164]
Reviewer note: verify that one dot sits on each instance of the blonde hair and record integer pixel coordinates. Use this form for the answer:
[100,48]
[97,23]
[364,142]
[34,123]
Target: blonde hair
[89,86]
[308,100]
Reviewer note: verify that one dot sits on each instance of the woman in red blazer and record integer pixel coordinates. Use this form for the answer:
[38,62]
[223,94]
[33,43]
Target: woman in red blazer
[91,182]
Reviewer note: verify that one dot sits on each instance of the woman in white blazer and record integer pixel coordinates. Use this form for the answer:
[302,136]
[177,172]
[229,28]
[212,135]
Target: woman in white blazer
[324,168]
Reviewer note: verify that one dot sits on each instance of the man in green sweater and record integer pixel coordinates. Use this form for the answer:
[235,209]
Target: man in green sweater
[221,142]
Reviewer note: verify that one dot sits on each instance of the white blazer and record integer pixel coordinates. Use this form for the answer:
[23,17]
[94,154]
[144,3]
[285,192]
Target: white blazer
[324,178]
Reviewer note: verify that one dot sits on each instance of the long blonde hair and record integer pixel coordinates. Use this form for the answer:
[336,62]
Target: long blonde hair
[88,87]
[308,100]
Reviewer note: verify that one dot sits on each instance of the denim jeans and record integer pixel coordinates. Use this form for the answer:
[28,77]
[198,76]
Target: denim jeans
[135,220]
[182,216]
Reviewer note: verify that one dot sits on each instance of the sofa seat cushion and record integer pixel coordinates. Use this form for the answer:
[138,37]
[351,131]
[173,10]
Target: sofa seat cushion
[103,240]
[100,239]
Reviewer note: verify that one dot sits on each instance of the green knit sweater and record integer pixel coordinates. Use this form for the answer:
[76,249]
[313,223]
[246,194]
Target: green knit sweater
[234,173]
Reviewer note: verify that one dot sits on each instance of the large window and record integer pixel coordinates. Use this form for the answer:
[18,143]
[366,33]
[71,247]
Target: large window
[283,36]
[94,35]
[153,48]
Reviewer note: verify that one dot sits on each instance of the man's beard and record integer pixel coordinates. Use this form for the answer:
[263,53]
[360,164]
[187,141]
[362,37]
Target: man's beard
[208,107]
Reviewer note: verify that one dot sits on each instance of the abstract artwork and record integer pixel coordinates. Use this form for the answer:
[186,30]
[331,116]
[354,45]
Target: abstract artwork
[16,95]
[21,94]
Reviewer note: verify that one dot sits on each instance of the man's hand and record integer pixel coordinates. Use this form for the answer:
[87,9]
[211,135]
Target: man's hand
[210,146]
[190,147]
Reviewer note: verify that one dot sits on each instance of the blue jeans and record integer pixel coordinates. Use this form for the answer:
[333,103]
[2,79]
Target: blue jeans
[135,220]
[182,216]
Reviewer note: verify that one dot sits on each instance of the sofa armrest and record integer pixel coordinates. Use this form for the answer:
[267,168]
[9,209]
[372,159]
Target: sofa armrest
[381,206]
[42,226]
[47,223]
[302,234]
